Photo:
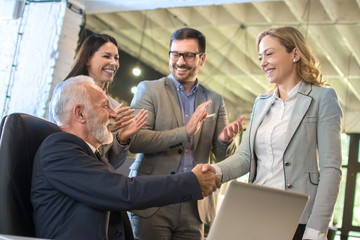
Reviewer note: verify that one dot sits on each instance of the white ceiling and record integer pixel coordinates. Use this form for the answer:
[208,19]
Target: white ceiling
[105,6]
[331,27]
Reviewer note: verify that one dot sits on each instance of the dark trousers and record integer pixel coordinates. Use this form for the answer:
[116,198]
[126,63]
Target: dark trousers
[299,232]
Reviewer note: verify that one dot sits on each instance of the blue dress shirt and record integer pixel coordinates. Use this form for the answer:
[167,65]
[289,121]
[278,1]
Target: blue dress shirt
[187,105]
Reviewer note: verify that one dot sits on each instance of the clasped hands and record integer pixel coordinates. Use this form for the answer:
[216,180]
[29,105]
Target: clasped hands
[207,178]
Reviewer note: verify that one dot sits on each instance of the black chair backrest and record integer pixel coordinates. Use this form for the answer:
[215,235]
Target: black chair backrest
[21,135]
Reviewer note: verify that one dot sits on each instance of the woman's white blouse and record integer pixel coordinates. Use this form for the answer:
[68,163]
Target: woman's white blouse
[270,137]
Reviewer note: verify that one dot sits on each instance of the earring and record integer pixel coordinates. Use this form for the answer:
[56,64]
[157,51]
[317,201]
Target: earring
[294,60]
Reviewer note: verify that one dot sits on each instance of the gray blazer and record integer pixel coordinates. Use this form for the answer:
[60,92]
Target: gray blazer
[312,158]
[160,143]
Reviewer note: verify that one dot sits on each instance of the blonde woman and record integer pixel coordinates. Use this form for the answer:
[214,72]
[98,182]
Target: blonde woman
[293,138]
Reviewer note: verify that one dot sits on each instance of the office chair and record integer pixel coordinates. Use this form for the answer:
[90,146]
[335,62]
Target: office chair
[20,136]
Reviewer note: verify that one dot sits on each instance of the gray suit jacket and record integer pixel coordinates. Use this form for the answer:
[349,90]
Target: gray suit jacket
[312,158]
[160,143]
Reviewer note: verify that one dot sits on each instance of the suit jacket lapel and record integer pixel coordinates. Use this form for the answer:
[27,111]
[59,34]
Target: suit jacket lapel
[174,101]
[302,104]
[261,108]
[199,99]
[173,96]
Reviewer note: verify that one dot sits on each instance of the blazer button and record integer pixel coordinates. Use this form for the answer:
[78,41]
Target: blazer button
[180,151]
[287,164]
[172,172]
[118,233]
[289,186]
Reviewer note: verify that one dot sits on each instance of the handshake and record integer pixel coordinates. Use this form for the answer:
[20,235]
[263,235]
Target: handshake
[207,178]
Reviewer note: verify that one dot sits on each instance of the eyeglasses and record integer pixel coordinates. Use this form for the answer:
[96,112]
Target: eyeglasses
[188,56]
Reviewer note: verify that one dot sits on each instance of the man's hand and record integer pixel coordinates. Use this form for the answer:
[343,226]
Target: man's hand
[208,180]
[231,130]
[123,117]
[196,119]
[133,127]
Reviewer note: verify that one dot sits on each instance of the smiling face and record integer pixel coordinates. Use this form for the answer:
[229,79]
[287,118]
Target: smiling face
[186,72]
[100,117]
[103,64]
[276,62]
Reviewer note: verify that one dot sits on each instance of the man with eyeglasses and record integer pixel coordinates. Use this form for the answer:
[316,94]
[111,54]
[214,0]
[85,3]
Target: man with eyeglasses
[175,138]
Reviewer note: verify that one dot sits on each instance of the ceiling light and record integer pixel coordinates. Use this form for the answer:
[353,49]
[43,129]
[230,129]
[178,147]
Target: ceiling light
[133,90]
[136,71]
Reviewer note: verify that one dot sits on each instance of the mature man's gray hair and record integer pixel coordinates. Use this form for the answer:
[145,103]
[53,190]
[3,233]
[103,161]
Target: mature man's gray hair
[66,95]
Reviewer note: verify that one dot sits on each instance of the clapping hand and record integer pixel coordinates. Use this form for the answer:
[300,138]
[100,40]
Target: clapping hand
[134,125]
[196,119]
[123,117]
[231,130]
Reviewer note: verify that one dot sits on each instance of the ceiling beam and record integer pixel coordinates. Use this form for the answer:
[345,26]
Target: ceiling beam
[129,44]
[322,39]
[337,14]
[106,6]
[235,54]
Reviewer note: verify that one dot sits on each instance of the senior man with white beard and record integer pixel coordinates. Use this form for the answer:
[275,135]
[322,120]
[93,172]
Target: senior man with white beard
[74,188]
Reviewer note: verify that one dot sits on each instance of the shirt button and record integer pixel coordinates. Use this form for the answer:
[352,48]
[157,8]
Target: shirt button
[287,164]
[289,186]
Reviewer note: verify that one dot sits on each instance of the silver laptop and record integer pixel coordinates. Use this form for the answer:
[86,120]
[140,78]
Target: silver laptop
[254,212]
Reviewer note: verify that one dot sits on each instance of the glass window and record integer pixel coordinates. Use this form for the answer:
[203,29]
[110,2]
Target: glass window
[359,152]
[356,210]
[339,206]
[338,235]
[244,178]
[354,235]
[345,142]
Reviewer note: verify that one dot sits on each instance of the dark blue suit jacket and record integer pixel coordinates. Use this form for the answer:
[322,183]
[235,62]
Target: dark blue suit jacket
[72,191]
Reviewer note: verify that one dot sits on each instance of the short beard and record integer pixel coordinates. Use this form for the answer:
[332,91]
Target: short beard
[99,131]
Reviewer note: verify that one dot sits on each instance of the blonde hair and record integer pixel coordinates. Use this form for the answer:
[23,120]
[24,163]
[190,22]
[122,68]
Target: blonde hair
[307,66]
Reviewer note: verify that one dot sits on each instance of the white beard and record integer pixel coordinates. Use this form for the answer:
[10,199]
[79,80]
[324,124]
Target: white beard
[100,131]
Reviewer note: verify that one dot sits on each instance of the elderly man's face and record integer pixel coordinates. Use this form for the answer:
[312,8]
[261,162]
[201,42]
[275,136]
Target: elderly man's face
[100,117]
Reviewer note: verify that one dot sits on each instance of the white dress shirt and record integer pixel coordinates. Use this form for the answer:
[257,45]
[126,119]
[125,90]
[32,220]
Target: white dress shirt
[269,144]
